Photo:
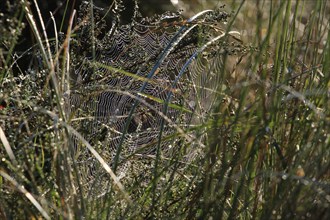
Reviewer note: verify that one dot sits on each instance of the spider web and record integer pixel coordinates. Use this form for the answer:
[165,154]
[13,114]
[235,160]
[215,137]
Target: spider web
[107,82]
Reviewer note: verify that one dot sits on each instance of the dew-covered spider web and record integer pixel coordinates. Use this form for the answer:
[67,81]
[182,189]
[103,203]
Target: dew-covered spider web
[140,87]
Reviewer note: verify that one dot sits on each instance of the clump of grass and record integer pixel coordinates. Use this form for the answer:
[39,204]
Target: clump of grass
[258,144]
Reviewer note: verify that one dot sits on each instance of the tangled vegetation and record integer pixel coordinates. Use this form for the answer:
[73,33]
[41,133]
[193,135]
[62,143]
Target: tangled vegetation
[168,116]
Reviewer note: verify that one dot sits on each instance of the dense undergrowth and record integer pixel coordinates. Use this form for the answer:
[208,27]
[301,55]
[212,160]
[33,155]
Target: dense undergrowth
[237,129]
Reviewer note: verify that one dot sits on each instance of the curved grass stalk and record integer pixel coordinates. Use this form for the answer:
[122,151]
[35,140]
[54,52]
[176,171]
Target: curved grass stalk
[92,150]
[183,69]
[8,149]
[44,33]
[33,25]
[27,194]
